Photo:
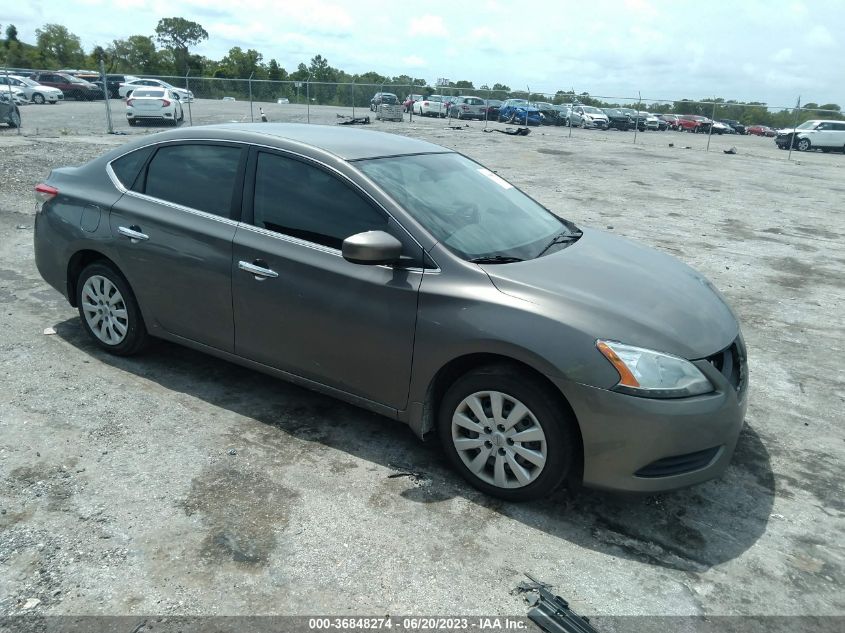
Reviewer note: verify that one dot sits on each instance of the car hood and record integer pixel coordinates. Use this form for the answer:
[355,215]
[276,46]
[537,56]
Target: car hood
[610,287]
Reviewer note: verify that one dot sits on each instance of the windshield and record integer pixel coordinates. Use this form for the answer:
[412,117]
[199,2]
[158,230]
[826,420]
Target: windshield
[25,81]
[808,125]
[592,110]
[467,208]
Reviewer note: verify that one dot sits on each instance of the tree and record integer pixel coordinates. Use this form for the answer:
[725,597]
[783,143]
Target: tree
[240,64]
[177,34]
[464,85]
[11,35]
[135,54]
[275,72]
[58,47]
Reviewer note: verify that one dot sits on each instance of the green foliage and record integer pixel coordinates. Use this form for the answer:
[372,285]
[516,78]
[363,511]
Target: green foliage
[135,54]
[58,47]
[177,34]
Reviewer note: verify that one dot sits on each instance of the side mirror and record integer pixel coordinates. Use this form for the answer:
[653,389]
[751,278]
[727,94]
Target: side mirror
[371,248]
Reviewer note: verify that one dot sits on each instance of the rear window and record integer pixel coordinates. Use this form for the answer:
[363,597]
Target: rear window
[198,176]
[158,94]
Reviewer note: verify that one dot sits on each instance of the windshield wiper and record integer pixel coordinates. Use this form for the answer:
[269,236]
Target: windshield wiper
[561,238]
[495,259]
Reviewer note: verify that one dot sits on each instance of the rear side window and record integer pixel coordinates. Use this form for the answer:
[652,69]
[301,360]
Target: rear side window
[126,167]
[300,200]
[201,177]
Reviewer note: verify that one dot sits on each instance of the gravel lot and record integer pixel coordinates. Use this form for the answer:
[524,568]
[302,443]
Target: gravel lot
[175,483]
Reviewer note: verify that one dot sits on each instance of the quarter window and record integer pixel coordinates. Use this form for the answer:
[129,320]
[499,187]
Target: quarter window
[198,176]
[303,201]
[126,167]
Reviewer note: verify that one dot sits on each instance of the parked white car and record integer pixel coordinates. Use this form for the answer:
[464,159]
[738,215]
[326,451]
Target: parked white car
[32,90]
[127,88]
[18,96]
[826,135]
[651,121]
[588,116]
[431,105]
[153,104]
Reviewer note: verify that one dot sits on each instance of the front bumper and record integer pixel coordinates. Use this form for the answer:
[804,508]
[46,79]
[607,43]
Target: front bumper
[648,445]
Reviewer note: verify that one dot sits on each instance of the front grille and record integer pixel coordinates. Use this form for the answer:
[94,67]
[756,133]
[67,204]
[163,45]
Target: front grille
[732,363]
[679,464]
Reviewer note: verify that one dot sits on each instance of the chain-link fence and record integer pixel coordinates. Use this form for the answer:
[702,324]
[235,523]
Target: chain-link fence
[207,100]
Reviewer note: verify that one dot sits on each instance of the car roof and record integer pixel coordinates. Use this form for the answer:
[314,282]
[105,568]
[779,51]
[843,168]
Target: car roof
[346,143]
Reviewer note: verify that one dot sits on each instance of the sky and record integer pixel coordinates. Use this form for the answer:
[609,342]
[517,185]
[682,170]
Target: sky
[750,50]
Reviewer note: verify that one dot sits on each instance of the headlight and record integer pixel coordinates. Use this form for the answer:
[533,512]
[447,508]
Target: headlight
[651,374]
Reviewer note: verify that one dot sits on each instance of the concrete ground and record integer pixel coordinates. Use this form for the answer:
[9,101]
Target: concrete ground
[175,483]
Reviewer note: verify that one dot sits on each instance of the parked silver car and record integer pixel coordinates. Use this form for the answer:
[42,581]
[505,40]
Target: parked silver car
[408,279]
[588,117]
[468,107]
[34,91]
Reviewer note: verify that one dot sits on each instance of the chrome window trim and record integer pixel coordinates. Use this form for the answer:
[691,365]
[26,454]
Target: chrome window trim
[251,227]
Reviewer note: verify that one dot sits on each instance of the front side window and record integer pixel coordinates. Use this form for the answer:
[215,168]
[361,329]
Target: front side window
[303,201]
[469,209]
[198,176]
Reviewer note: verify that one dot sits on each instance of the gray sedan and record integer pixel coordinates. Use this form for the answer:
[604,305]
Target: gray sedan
[405,278]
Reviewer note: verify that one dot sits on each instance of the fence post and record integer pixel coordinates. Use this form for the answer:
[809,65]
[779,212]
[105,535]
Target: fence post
[308,98]
[187,87]
[637,120]
[712,121]
[352,86]
[249,81]
[106,96]
[794,125]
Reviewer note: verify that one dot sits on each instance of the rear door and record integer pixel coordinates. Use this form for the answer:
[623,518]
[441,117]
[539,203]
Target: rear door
[312,313]
[174,227]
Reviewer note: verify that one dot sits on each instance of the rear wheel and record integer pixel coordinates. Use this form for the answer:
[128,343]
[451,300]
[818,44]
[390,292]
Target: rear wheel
[109,311]
[506,434]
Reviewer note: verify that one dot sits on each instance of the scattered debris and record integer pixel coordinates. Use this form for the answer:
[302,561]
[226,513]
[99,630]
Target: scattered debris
[457,127]
[518,131]
[550,612]
[232,451]
[21,227]
[31,603]
[671,145]
[730,151]
[777,516]
[49,330]
[349,120]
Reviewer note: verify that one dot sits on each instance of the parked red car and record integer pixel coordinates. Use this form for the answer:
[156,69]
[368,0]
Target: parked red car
[694,123]
[760,130]
[671,120]
[72,87]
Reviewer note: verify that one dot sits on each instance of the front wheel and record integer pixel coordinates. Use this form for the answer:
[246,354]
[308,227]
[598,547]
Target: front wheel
[506,435]
[38,98]
[109,310]
[803,145]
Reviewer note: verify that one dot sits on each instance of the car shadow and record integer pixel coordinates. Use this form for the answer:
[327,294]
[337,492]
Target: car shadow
[690,530]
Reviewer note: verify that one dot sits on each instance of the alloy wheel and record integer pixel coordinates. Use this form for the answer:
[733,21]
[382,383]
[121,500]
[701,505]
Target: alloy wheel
[104,310]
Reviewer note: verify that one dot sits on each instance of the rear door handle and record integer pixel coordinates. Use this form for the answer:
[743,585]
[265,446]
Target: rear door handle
[259,269]
[133,233]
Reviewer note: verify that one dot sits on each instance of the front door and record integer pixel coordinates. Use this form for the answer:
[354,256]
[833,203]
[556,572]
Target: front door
[302,308]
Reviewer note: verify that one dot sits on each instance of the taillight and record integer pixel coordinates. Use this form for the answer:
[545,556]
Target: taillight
[129,102]
[44,193]
[165,102]
[425,103]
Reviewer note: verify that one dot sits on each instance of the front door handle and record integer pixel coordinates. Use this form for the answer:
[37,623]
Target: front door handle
[259,269]
[133,233]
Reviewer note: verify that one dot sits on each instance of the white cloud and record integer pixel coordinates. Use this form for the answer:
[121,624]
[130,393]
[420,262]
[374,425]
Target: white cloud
[782,56]
[820,37]
[414,61]
[428,25]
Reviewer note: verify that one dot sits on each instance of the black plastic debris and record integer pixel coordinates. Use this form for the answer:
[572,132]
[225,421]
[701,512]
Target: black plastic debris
[512,131]
[550,612]
[349,120]
[730,151]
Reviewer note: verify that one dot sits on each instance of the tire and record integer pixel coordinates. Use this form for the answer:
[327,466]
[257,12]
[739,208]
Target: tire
[803,145]
[15,118]
[552,451]
[38,98]
[104,299]
[460,115]
[129,93]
